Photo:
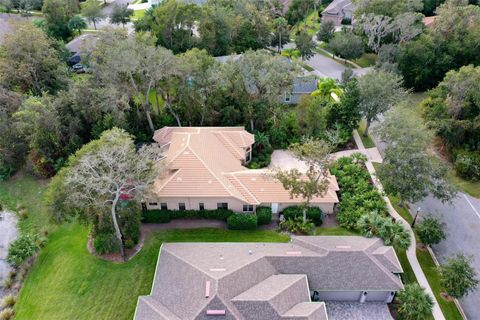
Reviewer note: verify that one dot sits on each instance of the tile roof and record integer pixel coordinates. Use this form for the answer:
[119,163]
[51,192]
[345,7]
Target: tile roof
[207,162]
[263,280]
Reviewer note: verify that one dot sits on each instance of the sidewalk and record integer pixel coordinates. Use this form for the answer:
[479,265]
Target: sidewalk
[411,252]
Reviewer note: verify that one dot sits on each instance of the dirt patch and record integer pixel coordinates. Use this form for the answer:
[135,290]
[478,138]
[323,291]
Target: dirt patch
[445,296]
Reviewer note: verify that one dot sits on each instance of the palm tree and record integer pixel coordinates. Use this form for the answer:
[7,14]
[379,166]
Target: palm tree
[394,234]
[415,303]
[370,224]
[328,89]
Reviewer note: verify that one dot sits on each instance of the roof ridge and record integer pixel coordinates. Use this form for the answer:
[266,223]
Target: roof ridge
[226,140]
[159,312]
[245,188]
[302,276]
[170,179]
[215,176]
[383,268]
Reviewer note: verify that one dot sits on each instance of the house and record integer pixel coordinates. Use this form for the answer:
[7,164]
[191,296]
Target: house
[80,47]
[301,86]
[206,170]
[310,278]
[338,11]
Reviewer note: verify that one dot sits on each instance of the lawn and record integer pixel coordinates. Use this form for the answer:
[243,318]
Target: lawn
[367,141]
[470,187]
[67,282]
[312,26]
[23,190]
[138,14]
[366,60]
[335,231]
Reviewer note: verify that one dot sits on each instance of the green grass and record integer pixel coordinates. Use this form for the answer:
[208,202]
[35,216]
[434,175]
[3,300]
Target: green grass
[449,308]
[138,14]
[367,141]
[366,60]
[306,67]
[312,26]
[470,187]
[25,190]
[335,231]
[67,282]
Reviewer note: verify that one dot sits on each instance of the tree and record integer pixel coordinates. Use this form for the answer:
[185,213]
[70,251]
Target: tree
[315,181]
[415,303]
[298,10]
[376,28]
[346,113]
[407,26]
[28,61]
[408,171]
[77,23]
[327,89]
[92,11]
[458,277]
[305,44]
[393,233]
[430,231]
[107,170]
[281,32]
[346,45]
[390,8]
[120,15]
[57,14]
[326,32]
[379,90]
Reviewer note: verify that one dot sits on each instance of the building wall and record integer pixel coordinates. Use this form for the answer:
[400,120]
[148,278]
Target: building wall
[192,203]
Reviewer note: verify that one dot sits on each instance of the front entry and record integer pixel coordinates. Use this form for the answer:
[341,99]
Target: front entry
[274,208]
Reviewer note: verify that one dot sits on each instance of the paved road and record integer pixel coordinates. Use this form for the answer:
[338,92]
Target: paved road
[462,219]
[109,7]
[8,232]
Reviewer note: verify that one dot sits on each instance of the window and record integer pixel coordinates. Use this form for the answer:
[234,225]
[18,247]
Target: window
[181,206]
[163,206]
[153,204]
[247,156]
[247,208]
[201,206]
[222,205]
[288,96]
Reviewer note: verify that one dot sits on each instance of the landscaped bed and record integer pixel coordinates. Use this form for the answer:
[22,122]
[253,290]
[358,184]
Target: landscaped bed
[67,282]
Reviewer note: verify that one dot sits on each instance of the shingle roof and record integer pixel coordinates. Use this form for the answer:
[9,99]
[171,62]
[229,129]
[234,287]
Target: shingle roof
[207,162]
[304,85]
[246,280]
[337,6]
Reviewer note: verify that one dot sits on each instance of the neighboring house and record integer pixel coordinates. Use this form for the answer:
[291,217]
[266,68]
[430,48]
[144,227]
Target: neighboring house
[301,86]
[274,281]
[80,47]
[206,170]
[338,11]
[429,21]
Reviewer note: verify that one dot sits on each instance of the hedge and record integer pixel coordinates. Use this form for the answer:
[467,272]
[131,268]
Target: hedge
[242,221]
[164,216]
[313,213]
[264,215]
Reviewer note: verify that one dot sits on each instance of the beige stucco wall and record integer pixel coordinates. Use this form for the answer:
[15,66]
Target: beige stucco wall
[192,203]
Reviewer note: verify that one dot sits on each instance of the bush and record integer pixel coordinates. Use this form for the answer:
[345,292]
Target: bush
[415,303]
[242,222]
[313,213]
[7,314]
[8,301]
[130,220]
[264,215]
[467,164]
[164,216]
[297,226]
[458,276]
[430,231]
[21,249]
[106,243]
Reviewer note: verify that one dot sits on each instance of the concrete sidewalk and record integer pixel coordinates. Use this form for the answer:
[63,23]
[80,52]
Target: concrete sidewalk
[411,252]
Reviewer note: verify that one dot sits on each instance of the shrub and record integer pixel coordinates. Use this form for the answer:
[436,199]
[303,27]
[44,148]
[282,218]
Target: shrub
[164,216]
[458,277]
[7,314]
[264,215]
[430,231]
[130,216]
[467,164]
[8,301]
[106,243]
[415,303]
[242,222]
[313,213]
[21,249]
[156,216]
[7,283]
[297,226]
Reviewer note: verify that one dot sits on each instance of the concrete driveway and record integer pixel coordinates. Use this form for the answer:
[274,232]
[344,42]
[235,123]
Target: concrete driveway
[8,233]
[327,67]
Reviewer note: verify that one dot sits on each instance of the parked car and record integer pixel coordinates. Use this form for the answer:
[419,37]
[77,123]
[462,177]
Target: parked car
[79,68]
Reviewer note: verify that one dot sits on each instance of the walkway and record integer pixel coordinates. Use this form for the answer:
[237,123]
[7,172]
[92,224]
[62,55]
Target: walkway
[411,252]
[8,232]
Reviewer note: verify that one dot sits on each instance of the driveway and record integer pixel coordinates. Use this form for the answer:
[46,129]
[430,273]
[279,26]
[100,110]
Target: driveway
[327,67]
[462,219]
[8,233]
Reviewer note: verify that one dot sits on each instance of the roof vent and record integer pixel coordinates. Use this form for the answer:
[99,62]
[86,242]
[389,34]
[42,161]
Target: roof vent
[218,269]
[207,289]
[262,189]
[209,181]
[294,253]
[343,247]
[186,152]
[179,179]
[250,252]
[254,179]
[215,312]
